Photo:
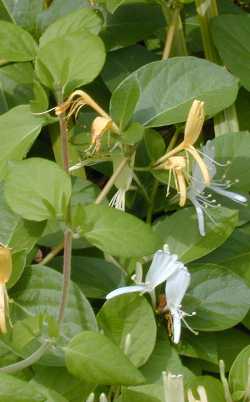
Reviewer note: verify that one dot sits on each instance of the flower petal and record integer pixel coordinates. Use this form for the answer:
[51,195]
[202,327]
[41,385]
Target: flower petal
[126,289]
[200,216]
[176,327]
[240,199]
[176,287]
[162,266]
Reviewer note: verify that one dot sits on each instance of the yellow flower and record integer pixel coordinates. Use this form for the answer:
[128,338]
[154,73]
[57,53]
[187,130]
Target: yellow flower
[5,273]
[176,165]
[194,123]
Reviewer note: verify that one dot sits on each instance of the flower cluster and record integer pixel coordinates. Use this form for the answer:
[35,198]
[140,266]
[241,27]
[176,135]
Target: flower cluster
[165,267]
[193,186]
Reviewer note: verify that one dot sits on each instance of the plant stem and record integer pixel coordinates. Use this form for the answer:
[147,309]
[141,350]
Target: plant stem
[226,121]
[67,233]
[12,368]
[171,33]
[66,273]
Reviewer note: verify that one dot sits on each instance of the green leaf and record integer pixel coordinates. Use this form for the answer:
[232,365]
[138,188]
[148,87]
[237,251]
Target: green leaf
[115,232]
[203,346]
[16,82]
[163,358]
[145,393]
[94,276]
[124,103]
[16,44]
[58,9]
[84,19]
[37,189]
[234,254]
[122,62]
[5,13]
[231,35]
[23,129]
[239,373]
[133,134]
[168,87]
[59,379]
[234,147]
[13,389]
[94,358]
[24,13]
[80,62]
[180,232]
[220,298]
[39,291]
[212,386]
[230,343]
[130,318]
[132,23]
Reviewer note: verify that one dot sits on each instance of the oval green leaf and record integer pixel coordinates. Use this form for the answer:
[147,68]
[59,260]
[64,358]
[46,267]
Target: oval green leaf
[115,232]
[15,43]
[167,89]
[92,357]
[37,189]
[80,62]
[220,298]
[130,315]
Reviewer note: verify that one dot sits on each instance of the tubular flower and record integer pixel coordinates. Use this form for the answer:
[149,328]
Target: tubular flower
[79,99]
[162,267]
[177,166]
[123,181]
[201,200]
[202,395]
[194,123]
[99,127]
[5,273]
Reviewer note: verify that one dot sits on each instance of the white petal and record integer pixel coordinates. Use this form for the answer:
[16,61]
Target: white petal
[240,199]
[200,216]
[176,327]
[162,266]
[126,289]
[176,287]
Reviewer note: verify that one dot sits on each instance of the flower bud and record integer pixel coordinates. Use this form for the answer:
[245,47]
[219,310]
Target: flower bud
[5,264]
[194,123]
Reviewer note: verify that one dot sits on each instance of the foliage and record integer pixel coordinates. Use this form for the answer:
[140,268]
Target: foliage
[105,159]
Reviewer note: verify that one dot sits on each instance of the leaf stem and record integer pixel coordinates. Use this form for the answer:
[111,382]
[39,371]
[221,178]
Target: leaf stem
[171,33]
[33,358]
[225,121]
[66,273]
[111,181]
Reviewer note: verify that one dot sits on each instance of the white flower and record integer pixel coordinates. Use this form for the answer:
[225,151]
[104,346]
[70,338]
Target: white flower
[196,192]
[176,287]
[162,267]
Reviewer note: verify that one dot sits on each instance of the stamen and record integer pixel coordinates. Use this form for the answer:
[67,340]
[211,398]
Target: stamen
[45,112]
[188,326]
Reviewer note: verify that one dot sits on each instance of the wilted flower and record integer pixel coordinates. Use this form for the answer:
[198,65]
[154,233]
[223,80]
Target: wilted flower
[162,267]
[196,193]
[176,165]
[194,123]
[5,273]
